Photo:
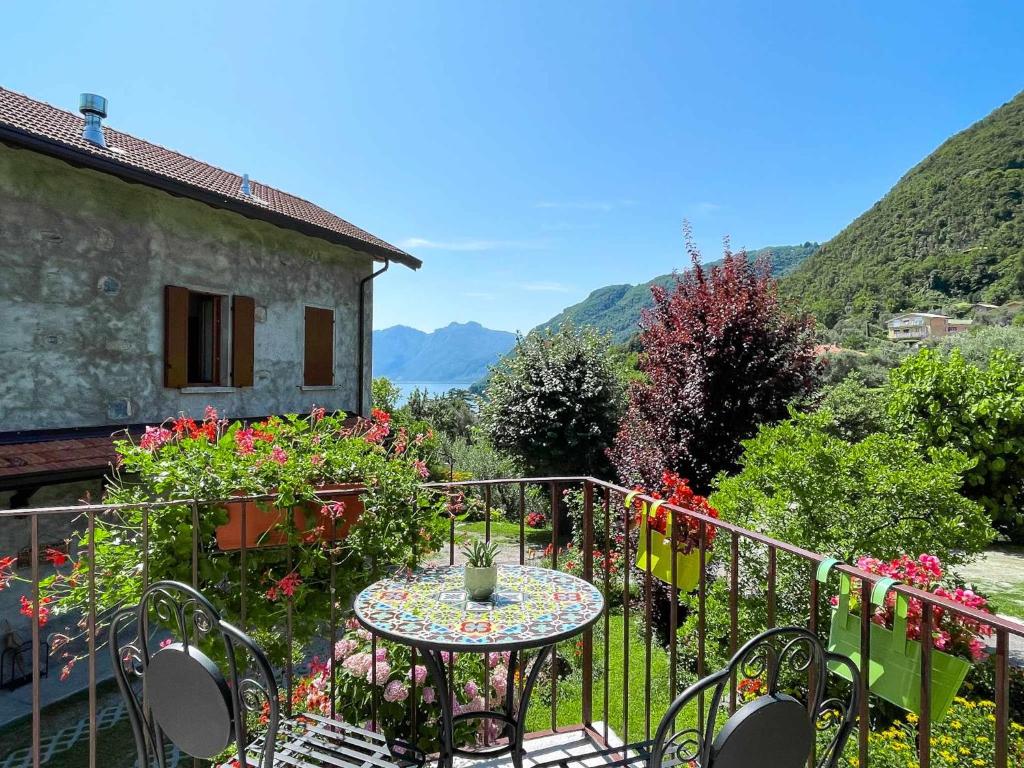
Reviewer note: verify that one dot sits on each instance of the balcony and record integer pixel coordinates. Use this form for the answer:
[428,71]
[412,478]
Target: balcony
[612,683]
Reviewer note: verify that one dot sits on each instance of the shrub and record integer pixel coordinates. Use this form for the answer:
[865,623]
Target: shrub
[964,738]
[554,402]
[720,356]
[799,483]
[289,455]
[946,401]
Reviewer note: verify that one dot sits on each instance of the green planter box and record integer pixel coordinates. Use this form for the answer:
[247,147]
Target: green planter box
[894,667]
[659,555]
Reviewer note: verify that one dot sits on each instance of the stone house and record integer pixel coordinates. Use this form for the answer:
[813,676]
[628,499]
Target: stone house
[137,283]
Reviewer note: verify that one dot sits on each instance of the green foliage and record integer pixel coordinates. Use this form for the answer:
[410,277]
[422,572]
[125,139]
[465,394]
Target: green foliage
[616,309]
[800,483]
[946,401]
[872,364]
[554,402]
[952,227]
[452,414]
[856,409]
[963,738]
[289,455]
[384,394]
[479,553]
[977,346]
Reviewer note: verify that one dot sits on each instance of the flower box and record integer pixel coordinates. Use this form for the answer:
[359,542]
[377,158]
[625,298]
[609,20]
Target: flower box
[266,523]
[659,555]
[894,668]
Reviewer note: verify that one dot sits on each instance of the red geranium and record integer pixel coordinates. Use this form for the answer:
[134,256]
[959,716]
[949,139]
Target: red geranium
[677,492]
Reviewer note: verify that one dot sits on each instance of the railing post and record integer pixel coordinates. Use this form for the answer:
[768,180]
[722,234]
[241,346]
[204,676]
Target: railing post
[588,574]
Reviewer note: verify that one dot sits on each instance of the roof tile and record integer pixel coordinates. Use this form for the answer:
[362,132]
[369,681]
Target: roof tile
[57,125]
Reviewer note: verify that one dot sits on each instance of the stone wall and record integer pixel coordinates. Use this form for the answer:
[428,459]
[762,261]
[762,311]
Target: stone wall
[84,258]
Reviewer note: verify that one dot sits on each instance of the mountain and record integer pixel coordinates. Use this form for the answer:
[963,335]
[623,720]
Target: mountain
[952,228]
[616,308]
[457,354]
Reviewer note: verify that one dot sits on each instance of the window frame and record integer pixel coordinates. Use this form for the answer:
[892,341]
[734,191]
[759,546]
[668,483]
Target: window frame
[219,329]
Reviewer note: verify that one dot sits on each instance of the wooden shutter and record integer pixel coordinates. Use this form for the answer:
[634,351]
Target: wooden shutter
[175,336]
[319,347]
[243,340]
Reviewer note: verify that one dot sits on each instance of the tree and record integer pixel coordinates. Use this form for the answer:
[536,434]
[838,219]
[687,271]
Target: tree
[555,401]
[945,401]
[384,394]
[881,496]
[720,356]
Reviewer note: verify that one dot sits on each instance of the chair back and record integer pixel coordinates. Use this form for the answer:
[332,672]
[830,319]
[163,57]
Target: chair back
[190,678]
[767,707]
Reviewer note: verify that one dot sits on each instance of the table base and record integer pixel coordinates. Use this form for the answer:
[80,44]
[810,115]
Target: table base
[513,717]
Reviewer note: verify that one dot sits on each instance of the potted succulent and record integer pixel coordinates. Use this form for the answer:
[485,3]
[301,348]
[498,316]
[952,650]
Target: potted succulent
[481,577]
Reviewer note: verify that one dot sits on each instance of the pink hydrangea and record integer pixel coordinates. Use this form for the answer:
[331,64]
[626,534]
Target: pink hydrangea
[471,689]
[358,664]
[382,669]
[419,674]
[381,654]
[396,691]
[344,648]
[429,696]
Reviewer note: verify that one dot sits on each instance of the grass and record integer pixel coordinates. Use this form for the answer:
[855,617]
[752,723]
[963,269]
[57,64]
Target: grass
[570,690]
[502,529]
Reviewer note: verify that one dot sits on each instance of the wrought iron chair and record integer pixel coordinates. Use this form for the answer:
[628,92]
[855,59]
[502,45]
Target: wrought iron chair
[772,728]
[162,651]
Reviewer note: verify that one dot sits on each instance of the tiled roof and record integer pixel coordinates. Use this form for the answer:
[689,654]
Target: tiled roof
[56,456]
[29,118]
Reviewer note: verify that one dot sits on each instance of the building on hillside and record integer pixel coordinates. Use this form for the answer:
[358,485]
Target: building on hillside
[980,308]
[137,283]
[917,326]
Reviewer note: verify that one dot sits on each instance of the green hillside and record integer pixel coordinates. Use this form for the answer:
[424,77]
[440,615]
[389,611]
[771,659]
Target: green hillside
[951,228]
[616,308]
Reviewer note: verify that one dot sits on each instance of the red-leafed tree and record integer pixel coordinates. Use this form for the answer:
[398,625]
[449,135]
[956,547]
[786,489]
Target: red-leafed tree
[721,356]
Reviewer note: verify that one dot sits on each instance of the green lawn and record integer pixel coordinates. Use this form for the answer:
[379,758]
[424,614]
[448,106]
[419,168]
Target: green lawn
[570,690]
[501,529]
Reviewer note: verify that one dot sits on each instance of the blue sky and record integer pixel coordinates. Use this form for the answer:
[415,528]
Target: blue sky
[531,152]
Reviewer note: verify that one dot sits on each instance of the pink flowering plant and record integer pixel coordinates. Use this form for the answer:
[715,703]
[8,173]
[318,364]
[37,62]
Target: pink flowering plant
[211,459]
[952,633]
[382,675]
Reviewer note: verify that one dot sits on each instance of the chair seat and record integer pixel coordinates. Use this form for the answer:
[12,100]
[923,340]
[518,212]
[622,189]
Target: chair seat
[312,741]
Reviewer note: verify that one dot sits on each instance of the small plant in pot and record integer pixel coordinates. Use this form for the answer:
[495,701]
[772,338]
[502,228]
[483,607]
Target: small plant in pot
[481,570]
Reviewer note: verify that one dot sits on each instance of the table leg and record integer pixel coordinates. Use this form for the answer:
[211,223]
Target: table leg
[515,727]
[435,665]
[524,703]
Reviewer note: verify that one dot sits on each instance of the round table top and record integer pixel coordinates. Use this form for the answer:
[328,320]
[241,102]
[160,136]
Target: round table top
[429,608]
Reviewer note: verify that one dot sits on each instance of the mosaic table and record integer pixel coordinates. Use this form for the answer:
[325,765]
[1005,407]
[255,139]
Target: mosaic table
[532,608]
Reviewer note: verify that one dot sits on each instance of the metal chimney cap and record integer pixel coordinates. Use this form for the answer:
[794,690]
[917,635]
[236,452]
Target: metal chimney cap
[92,104]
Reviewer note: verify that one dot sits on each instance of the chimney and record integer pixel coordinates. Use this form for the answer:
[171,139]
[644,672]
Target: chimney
[246,188]
[95,109]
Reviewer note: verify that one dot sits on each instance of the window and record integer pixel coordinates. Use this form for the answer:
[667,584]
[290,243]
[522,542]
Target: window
[195,333]
[318,358]
[203,339]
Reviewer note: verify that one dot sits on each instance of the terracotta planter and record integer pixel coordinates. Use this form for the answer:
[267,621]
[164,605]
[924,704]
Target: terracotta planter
[265,522]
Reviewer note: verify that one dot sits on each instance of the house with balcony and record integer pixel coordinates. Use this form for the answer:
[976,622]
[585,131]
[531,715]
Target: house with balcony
[918,326]
[137,283]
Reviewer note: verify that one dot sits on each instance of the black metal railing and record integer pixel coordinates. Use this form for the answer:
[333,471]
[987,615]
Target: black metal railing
[507,502]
